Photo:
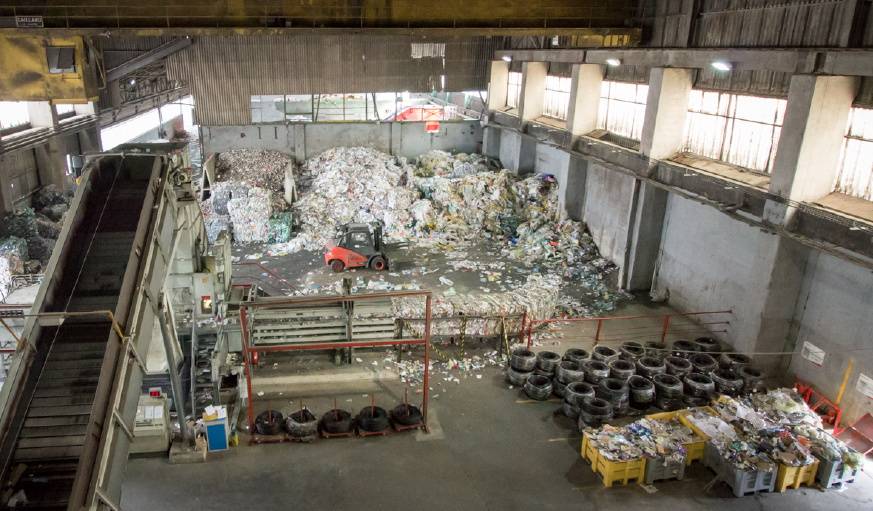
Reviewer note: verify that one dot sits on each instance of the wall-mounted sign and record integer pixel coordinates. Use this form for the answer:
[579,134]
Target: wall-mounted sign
[813,353]
[865,385]
[432,127]
[29,22]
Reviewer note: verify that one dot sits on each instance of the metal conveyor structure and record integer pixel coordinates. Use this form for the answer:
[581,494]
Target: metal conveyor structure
[67,409]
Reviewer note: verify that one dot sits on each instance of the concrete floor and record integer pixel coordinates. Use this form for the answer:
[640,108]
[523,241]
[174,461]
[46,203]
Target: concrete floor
[489,448]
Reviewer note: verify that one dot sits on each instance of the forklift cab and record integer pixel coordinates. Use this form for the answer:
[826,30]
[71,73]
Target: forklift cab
[357,245]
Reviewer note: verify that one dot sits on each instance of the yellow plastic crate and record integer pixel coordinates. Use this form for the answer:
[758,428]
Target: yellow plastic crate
[620,471]
[694,449]
[683,418]
[589,453]
[793,477]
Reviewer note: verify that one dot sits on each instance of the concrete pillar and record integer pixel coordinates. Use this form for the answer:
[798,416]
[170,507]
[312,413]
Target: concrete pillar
[491,142]
[666,108]
[533,86]
[574,201]
[808,156]
[89,140]
[647,224]
[517,151]
[497,82]
[584,98]
[51,162]
[42,114]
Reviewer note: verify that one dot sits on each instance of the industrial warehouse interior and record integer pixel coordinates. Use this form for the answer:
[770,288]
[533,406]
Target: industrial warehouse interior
[395,254]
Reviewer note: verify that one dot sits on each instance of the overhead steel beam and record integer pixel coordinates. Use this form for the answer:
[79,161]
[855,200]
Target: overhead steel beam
[796,61]
[148,58]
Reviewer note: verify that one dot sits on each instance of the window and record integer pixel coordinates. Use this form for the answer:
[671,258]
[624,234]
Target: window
[513,89]
[13,114]
[61,59]
[557,97]
[65,110]
[855,176]
[737,129]
[622,108]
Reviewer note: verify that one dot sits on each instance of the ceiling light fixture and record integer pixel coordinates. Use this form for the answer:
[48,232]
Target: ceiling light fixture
[721,65]
[612,62]
[507,58]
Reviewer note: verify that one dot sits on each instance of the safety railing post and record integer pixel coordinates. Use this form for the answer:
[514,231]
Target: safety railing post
[597,331]
[665,328]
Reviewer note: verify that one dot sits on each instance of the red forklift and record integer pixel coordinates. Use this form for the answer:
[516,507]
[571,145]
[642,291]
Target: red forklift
[357,245]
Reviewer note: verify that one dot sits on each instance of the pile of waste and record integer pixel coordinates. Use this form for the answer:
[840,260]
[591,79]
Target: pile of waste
[28,236]
[252,192]
[445,164]
[646,437]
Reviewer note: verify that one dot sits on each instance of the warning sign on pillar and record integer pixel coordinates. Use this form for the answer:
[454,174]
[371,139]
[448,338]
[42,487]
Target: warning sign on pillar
[813,353]
[432,127]
[865,385]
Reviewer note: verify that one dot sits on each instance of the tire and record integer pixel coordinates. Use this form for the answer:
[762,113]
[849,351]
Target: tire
[642,390]
[523,360]
[667,386]
[734,361]
[631,350]
[683,348]
[656,349]
[547,361]
[650,366]
[559,388]
[302,424]
[378,263]
[621,369]
[574,395]
[703,363]
[269,422]
[372,419]
[699,385]
[538,387]
[406,415]
[336,422]
[576,355]
[517,378]
[594,412]
[753,379]
[616,392]
[604,354]
[678,366]
[337,266]
[708,345]
[727,382]
[568,371]
[595,371]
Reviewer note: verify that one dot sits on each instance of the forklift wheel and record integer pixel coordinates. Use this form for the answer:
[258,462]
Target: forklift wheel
[378,263]
[337,266]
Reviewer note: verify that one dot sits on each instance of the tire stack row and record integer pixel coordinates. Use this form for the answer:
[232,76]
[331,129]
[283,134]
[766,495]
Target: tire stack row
[303,425]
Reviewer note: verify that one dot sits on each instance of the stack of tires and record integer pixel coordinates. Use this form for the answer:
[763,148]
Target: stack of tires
[302,425]
[522,363]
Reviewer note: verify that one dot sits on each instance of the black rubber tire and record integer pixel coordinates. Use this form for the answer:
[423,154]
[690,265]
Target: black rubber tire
[655,349]
[631,350]
[569,371]
[523,360]
[406,415]
[667,385]
[517,378]
[574,395]
[558,387]
[378,263]
[642,390]
[594,412]
[708,345]
[699,385]
[694,401]
[650,366]
[538,387]
[337,266]
[269,422]
[727,382]
[372,419]
[734,361]
[577,355]
[683,348]
[547,361]
[678,366]
[604,354]
[703,363]
[337,421]
[616,392]
[595,371]
[669,404]
[753,379]
[621,369]
[301,424]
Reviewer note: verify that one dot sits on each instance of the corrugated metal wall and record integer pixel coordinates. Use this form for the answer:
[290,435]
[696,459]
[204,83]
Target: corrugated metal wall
[21,172]
[223,72]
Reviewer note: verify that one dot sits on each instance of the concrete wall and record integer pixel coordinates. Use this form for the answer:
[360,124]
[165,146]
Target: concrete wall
[834,314]
[608,201]
[306,140]
[555,161]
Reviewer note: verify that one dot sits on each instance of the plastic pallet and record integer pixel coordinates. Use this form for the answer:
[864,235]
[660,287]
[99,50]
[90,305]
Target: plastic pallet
[834,473]
[620,471]
[794,477]
[589,453]
[741,482]
[658,470]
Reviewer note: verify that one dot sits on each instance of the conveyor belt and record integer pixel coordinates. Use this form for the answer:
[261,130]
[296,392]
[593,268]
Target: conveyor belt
[61,408]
